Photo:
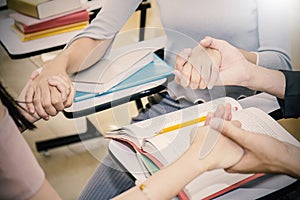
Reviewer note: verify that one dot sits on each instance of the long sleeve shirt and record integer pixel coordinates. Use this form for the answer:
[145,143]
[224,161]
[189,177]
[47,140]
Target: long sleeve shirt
[290,105]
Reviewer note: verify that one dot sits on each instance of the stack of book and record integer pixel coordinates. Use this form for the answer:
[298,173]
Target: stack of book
[35,19]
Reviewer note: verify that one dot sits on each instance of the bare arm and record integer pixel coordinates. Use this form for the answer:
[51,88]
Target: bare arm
[46,96]
[199,67]
[167,183]
[235,69]
[82,53]
[263,154]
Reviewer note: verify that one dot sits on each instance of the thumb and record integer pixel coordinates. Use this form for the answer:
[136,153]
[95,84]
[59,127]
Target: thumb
[211,42]
[229,130]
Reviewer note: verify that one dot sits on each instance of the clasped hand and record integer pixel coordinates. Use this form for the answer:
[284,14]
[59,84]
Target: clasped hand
[47,93]
[197,68]
[212,62]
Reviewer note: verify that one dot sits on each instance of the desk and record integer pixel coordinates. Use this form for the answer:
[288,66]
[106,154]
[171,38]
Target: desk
[17,49]
[255,189]
[97,104]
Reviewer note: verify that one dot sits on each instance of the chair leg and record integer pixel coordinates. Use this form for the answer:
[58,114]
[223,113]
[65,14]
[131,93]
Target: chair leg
[139,105]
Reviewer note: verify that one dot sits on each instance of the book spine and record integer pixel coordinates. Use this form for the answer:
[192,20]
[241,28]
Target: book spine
[65,20]
[50,32]
[23,7]
[72,28]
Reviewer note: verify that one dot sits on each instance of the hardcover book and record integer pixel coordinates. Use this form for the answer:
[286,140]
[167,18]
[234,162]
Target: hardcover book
[28,24]
[43,8]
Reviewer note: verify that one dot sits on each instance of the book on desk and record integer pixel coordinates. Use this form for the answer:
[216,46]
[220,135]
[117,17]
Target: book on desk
[43,8]
[133,69]
[27,24]
[162,149]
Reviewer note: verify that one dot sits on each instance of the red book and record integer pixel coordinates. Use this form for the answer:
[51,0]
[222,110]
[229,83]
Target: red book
[39,25]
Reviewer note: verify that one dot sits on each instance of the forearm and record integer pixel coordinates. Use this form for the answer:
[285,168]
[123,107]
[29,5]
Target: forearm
[84,52]
[81,54]
[266,80]
[288,161]
[168,182]
[250,56]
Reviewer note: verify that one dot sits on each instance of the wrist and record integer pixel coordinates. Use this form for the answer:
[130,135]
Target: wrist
[250,76]
[289,164]
[196,165]
[58,65]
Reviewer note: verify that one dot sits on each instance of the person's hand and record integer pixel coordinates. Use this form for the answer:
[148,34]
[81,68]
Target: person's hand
[222,112]
[197,67]
[209,148]
[48,93]
[234,68]
[32,117]
[261,152]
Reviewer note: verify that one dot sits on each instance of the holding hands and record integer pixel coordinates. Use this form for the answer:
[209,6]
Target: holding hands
[212,62]
[48,92]
[262,153]
[197,67]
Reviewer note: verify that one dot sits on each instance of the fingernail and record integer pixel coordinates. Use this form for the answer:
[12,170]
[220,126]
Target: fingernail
[31,110]
[184,82]
[177,73]
[215,123]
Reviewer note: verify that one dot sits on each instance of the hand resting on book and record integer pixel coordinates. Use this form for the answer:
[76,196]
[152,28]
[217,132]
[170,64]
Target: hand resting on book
[213,150]
[262,153]
[223,154]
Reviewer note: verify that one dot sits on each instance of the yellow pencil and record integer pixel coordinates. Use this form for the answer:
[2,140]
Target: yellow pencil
[184,124]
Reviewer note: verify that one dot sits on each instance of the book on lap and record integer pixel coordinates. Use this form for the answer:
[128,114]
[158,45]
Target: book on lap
[163,149]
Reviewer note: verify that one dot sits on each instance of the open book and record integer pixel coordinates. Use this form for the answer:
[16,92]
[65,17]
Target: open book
[162,149]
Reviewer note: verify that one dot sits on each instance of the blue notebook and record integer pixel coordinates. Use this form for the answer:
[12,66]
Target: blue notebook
[155,70]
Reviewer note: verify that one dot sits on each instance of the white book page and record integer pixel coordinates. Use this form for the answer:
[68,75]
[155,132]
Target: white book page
[169,146]
[182,116]
[257,121]
[111,71]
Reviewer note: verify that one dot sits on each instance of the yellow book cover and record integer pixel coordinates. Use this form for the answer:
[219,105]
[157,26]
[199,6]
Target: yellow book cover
[50,32]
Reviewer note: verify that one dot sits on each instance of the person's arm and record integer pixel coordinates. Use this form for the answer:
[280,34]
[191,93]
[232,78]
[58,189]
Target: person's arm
[273,35]
[167,183]
[85,49]
[235,69]
[289,104]
[46,192]
[44,97]
[198,68]
[263,154]
[25,180]
[266,80]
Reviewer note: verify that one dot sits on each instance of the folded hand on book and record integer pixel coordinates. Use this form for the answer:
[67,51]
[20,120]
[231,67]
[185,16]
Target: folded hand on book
[212,149]
[262,153]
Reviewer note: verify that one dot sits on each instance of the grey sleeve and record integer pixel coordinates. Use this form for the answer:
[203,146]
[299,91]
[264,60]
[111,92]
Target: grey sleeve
[274,37]
[111,18]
